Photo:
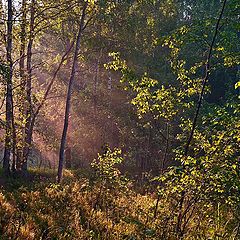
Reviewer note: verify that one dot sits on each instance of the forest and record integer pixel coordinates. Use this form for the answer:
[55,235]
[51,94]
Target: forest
[119,119]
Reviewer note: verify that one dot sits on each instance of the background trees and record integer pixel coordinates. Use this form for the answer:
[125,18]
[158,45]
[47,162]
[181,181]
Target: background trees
[164,45]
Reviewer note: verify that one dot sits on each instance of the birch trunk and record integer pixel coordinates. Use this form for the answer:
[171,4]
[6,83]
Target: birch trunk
[9,105]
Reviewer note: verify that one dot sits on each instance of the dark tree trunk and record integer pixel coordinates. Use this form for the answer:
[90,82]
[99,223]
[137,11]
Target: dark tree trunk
[68,99]
[30,114]
[179,229]
[96,82]
[9,105]
[29,110]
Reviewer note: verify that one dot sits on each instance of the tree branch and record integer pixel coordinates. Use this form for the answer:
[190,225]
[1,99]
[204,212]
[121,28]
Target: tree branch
[205,79]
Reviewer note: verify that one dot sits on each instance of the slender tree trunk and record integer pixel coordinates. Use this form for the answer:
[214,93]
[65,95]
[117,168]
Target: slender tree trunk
[22,42]
[194,123]
[29,110]
[205,80]
[31,116]
[68,99]
[96,76]
[163,165]
[14,139]
[35,114]
[9,106]
[19,148]
[166,148]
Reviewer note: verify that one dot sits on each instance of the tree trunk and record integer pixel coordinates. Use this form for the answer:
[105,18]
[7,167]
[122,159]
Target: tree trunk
[96,82]
[9,105]
[179,230]
[29,110]
[19,149]
[68,99]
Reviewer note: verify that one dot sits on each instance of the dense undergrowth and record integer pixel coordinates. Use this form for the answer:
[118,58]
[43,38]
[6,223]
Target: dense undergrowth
[107,205]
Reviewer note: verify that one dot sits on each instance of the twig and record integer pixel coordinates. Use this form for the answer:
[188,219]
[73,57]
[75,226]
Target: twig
[51,82]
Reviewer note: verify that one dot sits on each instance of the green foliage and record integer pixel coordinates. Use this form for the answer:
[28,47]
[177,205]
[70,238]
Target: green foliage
[160,50]
[4,72]
[208,178]
[205,183]
[106,170]
[163,101]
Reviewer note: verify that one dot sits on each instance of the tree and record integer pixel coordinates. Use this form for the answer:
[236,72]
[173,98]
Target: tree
[29,108]
[9,97]
[68,98]
[22,75]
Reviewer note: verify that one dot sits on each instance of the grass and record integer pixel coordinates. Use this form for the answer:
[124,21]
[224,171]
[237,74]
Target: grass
[84,207]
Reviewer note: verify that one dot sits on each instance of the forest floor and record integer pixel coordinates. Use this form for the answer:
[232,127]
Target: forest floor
[35,177]
[80,208]
[86,207]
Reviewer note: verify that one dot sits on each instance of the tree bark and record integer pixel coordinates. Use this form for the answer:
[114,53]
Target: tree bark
[9,105]
[29,110]
[69,93]
[19,148]
[35,114]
